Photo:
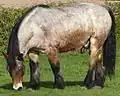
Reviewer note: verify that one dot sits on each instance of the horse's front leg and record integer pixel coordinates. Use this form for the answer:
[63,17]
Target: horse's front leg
[55,65]
[34,71]
[95,75]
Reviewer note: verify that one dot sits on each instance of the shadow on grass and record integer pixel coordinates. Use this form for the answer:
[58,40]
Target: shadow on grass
[45,84]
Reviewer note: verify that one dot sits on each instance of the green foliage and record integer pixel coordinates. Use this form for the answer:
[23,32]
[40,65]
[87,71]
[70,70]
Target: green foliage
[116,10]
[8,17]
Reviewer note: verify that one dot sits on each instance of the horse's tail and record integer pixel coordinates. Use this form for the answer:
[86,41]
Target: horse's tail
[109,48]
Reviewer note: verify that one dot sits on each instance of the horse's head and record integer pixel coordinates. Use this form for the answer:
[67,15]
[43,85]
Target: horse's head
[15,68]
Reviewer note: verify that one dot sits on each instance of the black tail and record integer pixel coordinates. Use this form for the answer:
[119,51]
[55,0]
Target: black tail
[109,48]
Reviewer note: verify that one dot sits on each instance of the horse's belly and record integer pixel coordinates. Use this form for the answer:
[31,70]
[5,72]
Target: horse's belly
[74,41]
[70,47]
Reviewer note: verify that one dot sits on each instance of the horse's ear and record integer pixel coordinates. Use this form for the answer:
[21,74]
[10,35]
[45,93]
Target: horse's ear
[5,55]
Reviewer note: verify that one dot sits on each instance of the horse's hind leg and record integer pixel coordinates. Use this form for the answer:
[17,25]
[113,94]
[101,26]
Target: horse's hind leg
[55,65]
[95,75]
[34,71]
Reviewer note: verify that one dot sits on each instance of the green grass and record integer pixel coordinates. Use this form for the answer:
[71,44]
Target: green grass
[74,67]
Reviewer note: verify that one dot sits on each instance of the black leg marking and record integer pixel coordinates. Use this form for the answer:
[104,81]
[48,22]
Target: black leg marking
[59,81]
[34,76]
[89,79]
[99,76]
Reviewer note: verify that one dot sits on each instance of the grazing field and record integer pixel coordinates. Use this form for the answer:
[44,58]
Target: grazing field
[74,66]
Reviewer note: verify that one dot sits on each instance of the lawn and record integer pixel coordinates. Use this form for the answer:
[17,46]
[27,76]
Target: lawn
[74,67]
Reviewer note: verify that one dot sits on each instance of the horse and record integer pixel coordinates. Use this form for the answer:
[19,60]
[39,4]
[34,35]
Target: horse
[54,30]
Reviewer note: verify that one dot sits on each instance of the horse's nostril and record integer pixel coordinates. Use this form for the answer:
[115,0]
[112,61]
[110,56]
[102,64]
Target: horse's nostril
[17,86]
[20,88]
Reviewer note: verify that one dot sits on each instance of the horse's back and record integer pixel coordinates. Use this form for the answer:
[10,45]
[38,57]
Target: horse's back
[86,15]
[82,15]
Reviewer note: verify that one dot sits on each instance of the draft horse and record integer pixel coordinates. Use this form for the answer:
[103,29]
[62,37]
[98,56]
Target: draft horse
[53,30]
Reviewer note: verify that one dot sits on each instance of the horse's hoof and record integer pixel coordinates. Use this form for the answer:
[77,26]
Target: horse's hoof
[89,86]
[83,87]
[33,86]
[59,82]
[100,86]
[58,86]
[97,87]
[99,81]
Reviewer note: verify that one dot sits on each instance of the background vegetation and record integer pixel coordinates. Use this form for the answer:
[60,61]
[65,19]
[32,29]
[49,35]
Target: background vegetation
[74,65]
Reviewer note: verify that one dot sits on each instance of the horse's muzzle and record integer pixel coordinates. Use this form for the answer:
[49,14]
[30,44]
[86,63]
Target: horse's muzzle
[17,86]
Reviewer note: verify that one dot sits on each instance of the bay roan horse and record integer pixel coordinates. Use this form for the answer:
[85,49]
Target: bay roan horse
[53,30]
